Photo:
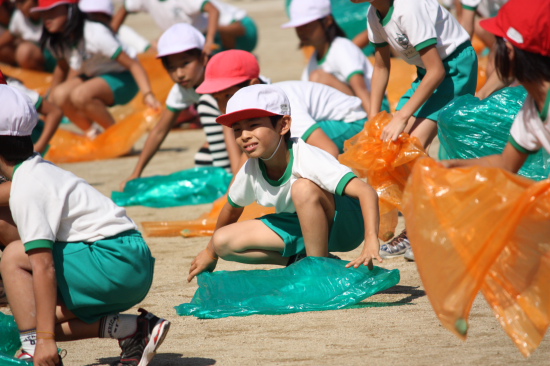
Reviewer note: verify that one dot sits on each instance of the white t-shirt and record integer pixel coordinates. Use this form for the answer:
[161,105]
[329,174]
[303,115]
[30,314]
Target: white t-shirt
[24,28]
[181,98]
[169,12]
[49,203]
[306,161]
[97,52]
[313,102]
[343,60]
[529,132]
[412,25]
[487,8]
[132,39]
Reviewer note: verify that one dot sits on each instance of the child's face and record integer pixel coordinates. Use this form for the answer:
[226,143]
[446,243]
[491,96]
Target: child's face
[185,69]
[256,137]
[55,18]
[311,34]
[222,97]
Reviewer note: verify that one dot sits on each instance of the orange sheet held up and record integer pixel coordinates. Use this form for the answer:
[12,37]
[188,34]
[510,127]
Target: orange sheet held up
[204,225]
[485,229]
[385,165]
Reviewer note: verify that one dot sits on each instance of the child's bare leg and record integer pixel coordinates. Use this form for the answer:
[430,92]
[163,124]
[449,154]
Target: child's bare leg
[323,77]
[422,128]
[249,242]
[60,96]
[92,98]
[8,230]
[29,56]
[316,209]
[70,328]
[230,33]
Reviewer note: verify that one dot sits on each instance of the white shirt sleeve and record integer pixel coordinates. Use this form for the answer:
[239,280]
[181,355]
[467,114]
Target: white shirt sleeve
[105,42]
[374,28]
[351,59]
[521,135]
[180,98]
[241,193]
[419,22]
[472,4]
[134,6]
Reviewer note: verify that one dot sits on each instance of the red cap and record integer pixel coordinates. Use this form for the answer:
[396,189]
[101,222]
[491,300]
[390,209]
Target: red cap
[2,78]
[49,4]
[523,23]
[227,69]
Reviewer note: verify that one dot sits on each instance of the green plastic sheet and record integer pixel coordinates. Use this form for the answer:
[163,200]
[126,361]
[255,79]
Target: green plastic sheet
[9,342]
[187,187]
[472,128]
[311,284]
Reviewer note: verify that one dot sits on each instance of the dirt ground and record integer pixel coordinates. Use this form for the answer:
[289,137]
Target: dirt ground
[396,327]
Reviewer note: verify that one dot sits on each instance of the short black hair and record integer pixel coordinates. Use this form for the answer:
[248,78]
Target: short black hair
[274,120]
[332,31]
[70,37]
[16,149]
[194,52]
[526,66]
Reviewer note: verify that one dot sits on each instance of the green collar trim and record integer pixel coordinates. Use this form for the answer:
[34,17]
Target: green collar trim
[288,171]
[544,113]
[324,58]
[387,18]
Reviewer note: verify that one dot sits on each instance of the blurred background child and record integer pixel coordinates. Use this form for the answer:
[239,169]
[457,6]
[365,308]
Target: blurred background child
[7,51]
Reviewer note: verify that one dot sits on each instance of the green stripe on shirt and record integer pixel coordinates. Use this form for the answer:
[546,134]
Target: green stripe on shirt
[520,148]
[344,182]
[358,72]
[467,7]
[426,43]
[38,244]
[117,53]
[379,45]
[233,203]
[203,5]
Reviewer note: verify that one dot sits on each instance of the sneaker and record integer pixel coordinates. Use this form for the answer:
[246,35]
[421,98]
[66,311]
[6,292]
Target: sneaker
[140,348]
[396,247]
[409,255]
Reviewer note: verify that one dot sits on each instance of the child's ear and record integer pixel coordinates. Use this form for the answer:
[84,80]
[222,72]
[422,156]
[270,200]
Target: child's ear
[255,81]
[286,121]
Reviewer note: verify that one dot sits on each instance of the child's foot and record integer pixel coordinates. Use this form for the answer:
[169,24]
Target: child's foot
[396,247]
[140,348]
[409,255]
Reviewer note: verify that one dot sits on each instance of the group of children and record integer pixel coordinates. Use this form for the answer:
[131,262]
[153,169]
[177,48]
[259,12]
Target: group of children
[73,261]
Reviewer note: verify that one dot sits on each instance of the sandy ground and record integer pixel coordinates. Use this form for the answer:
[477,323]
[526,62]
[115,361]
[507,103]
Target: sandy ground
[396,327]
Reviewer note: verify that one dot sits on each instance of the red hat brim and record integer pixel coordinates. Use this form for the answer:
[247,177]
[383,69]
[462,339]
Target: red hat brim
[44,8]
[210,86]
[491,25]
[230,118]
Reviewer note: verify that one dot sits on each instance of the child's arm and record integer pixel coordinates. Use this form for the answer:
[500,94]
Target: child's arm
[213,19]
[119,18]
[138,72]
[368,199]
[359,87]
[152,144]
[60,73]
[207,259]
[52,117]
[45,296]
[380,78]
[5,189]
[6,38]
[362,39]
[467,18]
[511,159]
[435,73]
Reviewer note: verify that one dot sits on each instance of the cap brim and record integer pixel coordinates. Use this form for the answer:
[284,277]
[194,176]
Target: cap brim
[230,118]
[219,84]
[491,25]
[174,51]
[44,8]
[298,23]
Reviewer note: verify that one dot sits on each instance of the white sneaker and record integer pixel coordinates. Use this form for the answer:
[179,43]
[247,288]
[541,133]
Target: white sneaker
[409,255]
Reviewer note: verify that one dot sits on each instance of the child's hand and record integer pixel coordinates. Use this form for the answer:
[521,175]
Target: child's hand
[151,101]
[392,131]
[371,251]
[46,353]
[204,261]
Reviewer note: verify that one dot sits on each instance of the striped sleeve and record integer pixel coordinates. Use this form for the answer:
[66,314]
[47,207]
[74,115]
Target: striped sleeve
[208,112]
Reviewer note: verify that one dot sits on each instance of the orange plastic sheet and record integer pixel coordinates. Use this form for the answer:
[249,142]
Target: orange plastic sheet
[485,229]
[385,165]
[204,225]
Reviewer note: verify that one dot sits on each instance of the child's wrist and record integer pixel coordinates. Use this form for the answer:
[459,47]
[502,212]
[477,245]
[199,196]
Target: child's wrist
[212,253]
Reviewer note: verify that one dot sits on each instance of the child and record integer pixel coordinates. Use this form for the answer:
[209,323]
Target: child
[75,243]
[7,51]
[223,24]
[336,60]
[426,35]
[180,49]
[323,116]
[321,205]
[108,75]
[522,28]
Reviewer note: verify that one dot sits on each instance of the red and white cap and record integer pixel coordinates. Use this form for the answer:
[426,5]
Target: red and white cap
[523,23]
[97,6]
[306,11]
[179,38]
[18,117]
[50,4]
[227,69]
[255,101]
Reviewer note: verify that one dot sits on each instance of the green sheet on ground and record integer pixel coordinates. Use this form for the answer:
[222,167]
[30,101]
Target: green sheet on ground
[9,342]
[311,284]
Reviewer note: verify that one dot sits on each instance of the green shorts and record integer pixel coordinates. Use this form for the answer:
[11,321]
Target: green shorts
[50,60]
[122,84]
[460,79]
[248,41]
[337,131]
[346,234]
[105,277]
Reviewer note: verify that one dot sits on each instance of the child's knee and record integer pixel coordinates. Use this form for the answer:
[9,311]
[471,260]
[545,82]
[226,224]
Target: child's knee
[59,95]
[79,98]
[305,191]
[27,53]
[221,241]
[12,256]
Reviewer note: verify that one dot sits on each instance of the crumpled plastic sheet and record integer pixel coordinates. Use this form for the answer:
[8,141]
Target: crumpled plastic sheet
[204,225]
[385,164]
[9,341]
[311,284]
[187,187]
[485,229]
[471,128]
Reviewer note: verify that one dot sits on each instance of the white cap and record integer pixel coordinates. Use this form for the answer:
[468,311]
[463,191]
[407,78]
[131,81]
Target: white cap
[255,101]
[97,6]
[306,11]
[179,38]
[18,117]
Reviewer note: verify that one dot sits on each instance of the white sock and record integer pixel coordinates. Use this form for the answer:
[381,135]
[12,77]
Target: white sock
[117,326]
[28,341]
